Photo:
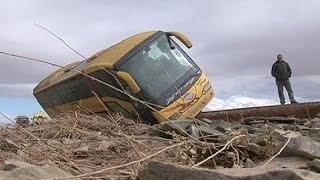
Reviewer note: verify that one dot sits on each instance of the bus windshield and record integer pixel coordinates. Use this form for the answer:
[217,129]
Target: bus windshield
[161,68]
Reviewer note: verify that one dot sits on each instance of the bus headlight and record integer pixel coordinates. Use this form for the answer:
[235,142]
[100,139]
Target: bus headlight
[206,88]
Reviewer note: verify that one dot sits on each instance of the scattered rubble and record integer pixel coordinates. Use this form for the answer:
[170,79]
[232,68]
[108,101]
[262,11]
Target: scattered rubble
[82,146]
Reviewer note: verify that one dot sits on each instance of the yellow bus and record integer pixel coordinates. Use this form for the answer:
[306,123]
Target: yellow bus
[149,66]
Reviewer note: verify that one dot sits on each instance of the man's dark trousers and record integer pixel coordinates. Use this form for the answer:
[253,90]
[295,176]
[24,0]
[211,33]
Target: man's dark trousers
[287,85]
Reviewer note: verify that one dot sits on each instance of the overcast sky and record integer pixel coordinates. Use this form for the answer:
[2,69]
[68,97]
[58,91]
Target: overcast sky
[235,42]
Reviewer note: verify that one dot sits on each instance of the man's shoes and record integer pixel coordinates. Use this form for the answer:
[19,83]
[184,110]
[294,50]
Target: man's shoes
[282,103]
[294,102]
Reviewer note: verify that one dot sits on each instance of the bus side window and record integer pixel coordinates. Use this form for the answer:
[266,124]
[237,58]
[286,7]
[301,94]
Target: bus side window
[104,90]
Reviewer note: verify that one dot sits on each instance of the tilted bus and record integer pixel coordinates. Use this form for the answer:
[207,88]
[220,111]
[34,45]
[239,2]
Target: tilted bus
[149,66]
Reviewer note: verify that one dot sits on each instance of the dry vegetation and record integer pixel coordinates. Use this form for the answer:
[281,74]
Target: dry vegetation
[96,147]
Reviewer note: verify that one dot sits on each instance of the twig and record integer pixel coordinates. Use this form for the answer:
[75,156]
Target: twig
[224,147]
[237,153]
[241,117]
[278,151]
[308,112]
[59,39]
[124,165]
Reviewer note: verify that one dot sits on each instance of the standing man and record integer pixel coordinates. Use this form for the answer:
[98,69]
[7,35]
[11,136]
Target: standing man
[282,72]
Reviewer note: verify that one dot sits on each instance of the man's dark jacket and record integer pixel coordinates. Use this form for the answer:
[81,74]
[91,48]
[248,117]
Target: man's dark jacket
[281,70]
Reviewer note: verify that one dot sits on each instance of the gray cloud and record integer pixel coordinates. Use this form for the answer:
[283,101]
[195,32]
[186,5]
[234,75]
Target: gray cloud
[16,90]
[235,41]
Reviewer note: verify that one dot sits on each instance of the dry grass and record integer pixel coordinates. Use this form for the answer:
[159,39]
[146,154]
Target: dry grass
[90,146]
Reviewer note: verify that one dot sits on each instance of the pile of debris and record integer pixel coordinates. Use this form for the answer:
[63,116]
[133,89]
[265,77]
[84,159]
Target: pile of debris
[81,146]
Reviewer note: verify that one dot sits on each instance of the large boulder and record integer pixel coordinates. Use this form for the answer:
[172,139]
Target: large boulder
[159,171]
[15,169]
[302,146]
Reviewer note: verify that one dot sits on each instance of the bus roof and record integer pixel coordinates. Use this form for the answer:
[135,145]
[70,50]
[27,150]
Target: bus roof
[105,58]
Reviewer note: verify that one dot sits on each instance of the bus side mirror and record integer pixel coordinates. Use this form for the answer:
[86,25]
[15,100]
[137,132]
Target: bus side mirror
[181,38]
[130,81]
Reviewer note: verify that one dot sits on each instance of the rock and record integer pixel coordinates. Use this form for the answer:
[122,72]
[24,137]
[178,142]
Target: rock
[15,169]
[84,148]
[220,125]
[209,121]
[15,156]
[209,131]
[21,154]
[302,146]
[251,130]
[9,145]
[249,164]
[288,127]
[35,172]
[127,121]
[67,141]
[224,126]
[285,162]
[17,163]
[318,115]
[253,149]
[9,167]
[104,145]
[159,170]
[187,126]
[193,131]
[315,122]
[53,143]
[314,165]
[286,134]
[307,123]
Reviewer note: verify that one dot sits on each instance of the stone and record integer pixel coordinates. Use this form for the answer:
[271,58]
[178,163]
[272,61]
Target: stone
[289,127]
[53,142]
[67,141]
[249,164]
[302,146]
[285,162]
[21,154]
[104,145]
[193,131]
[314,165]
[9,145]
[183,127]
[84,148]
[209,131]
[158,170]
[9,167]
[307,123]
[254,149]
[220,125]
[286,134]
[318,115]
[35,172]
[177,126]
[209,121]
[315,122]
[17,163]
